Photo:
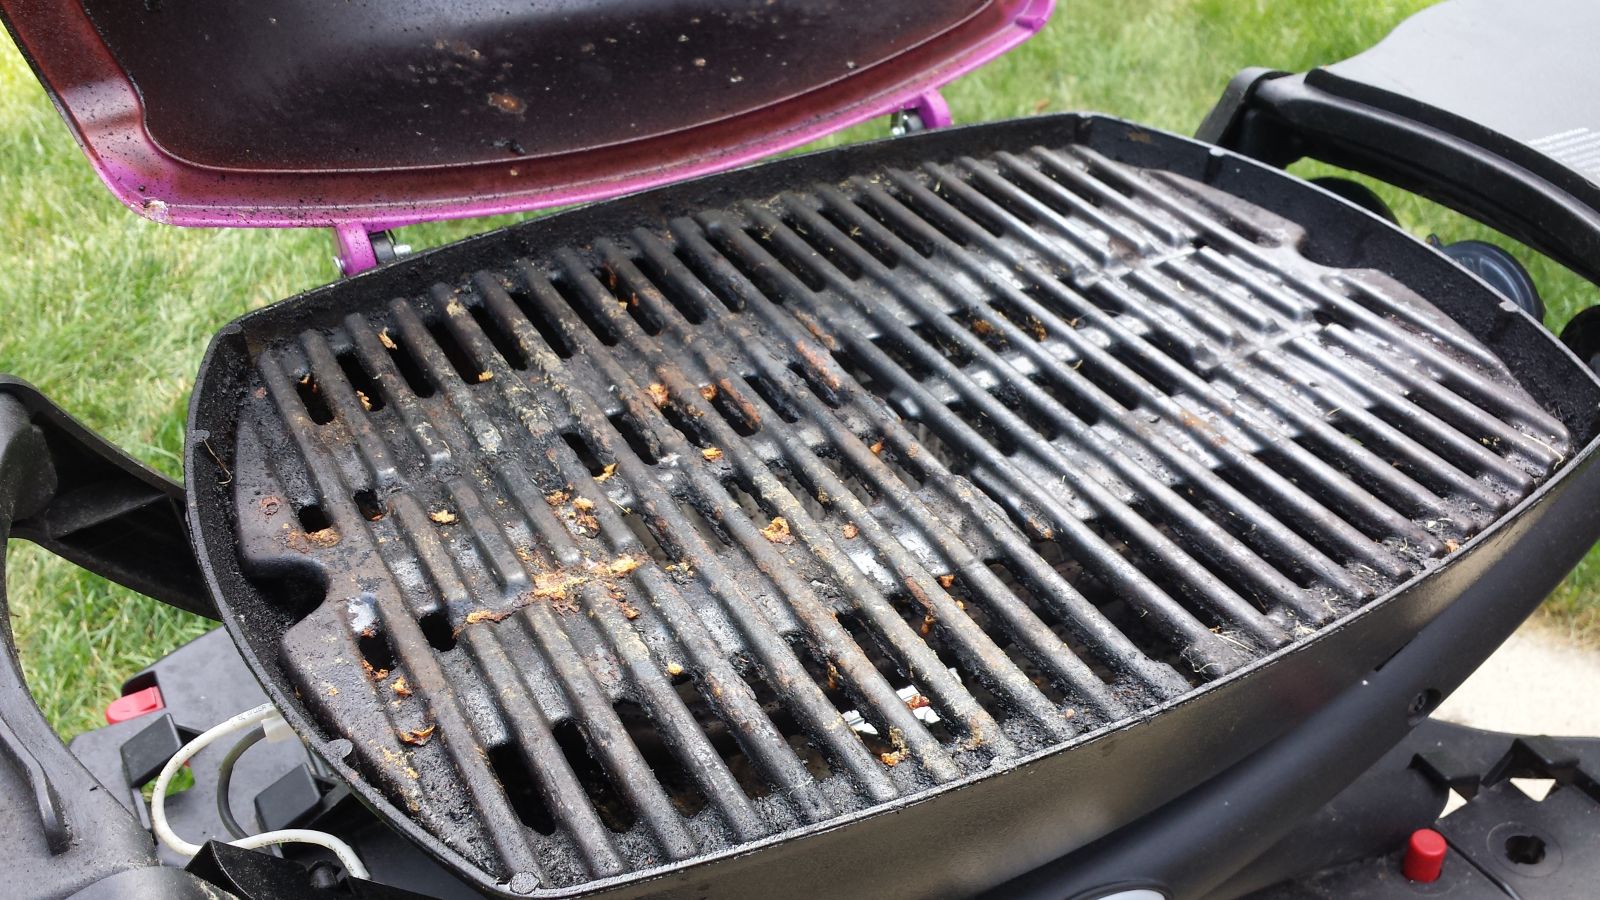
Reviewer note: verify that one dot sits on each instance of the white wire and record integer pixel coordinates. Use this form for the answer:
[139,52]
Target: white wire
[346,853]
[158,801]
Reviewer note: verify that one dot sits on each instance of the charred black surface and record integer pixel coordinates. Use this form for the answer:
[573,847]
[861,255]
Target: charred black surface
[645,546]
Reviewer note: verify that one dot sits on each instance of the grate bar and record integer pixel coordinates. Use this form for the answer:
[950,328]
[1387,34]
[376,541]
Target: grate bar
[1271,535]
[1277,371]
[1505,405]
[563,794]
[1353,501]
[1249,254]
[621,758]
[1213,431]
[601,725]
[825,722]
[1210,653]
[1319,357]
[1223,546]
[879,696]
[922,587]
[418,426]
[348,408]
[1320,520]
[661,699]
[920,661]
[410,646]
[1043,643]
[1346,406]
[535,742]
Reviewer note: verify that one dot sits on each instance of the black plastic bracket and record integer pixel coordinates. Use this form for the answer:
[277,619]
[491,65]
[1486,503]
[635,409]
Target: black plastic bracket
[1223,124]
[146,753]
[250,875]
[1448,769]
[83,499]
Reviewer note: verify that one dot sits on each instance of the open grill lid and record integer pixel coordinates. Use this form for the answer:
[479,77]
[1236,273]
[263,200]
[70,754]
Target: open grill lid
[299,112]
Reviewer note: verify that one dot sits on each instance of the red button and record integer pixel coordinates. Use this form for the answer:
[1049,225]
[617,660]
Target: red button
[134,705]
[1425,854]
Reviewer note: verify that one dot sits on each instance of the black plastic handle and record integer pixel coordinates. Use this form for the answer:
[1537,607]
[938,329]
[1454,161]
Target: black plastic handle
[64,832]
[25,484]
[83,499]
[1279,118]
[70,491]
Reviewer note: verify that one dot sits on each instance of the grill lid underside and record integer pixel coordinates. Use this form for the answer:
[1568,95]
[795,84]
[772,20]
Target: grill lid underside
[380,114]
[633,552]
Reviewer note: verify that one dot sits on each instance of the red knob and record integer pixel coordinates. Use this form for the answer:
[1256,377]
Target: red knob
[1425,854]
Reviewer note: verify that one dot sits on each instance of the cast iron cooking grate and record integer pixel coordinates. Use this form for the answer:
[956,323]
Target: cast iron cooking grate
[652,548]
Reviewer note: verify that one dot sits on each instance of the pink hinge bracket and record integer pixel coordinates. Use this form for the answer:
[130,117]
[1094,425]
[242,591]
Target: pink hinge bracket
[932,109]
[353,249]
[926,111]
[359,249]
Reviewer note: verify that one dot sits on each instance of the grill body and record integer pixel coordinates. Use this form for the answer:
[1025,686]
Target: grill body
[895,518]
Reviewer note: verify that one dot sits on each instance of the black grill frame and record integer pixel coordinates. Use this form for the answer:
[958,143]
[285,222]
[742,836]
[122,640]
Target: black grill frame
[1285,686]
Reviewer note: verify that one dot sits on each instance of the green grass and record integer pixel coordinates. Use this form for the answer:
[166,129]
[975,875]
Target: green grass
[109,313]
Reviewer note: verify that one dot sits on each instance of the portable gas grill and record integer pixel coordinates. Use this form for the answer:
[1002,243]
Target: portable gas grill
[1056,500]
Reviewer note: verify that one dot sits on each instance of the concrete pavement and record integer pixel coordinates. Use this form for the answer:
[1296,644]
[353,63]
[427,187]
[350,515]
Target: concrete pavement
[1536,683]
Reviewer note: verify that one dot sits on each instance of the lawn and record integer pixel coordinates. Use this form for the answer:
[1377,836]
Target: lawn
[109,313]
